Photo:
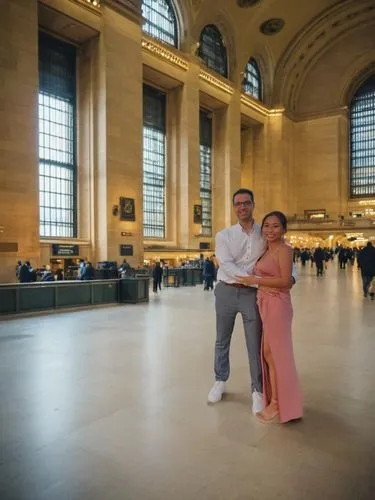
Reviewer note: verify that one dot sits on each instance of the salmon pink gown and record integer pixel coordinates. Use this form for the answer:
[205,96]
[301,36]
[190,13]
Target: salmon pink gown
[276,312]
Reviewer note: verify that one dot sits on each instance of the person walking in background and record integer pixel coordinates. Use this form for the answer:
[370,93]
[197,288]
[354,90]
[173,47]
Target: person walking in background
[208,274]
[343,258]
[305,256]
[311,259]
[366,261]
[319,259]
[157,277]
[281,390]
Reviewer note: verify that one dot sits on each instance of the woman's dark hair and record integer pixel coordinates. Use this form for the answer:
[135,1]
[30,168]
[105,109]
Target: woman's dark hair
[282,219]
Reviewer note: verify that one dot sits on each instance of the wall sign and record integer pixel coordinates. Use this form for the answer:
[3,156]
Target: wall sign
[204,245]
[124,233]
[126,250]
[197,214]
[60,250]
[127,209]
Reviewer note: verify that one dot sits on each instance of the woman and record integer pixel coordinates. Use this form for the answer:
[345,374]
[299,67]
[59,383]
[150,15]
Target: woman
[281,391]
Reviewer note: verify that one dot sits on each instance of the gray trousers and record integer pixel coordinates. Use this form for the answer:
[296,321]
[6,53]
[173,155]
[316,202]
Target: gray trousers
[230,301]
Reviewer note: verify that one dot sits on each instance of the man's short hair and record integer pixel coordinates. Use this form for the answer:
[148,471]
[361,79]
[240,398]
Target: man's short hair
[243,191]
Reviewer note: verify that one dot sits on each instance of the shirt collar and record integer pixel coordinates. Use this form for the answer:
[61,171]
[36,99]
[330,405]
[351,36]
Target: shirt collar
[255,228]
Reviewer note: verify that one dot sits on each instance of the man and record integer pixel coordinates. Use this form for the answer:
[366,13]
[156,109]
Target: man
[319,259]
[366,261]
[157,277]
[88,272]
[124,269]
[32,272]
[24,273]
[238,249]
[208,274]
[343,258]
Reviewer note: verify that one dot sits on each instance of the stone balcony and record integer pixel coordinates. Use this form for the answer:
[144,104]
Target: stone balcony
[344,223]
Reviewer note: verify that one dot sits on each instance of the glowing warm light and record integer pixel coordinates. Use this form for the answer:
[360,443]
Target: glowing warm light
[366,202]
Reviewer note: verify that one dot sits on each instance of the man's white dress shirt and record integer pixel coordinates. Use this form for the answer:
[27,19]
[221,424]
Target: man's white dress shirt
[238,251]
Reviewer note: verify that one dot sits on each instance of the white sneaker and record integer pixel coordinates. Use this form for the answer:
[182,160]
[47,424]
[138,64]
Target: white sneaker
[216,393]
[258,404]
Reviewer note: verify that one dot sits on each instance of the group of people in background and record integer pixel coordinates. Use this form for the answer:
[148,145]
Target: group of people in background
[320,257]
[208,266]
[25,273]
[365,258]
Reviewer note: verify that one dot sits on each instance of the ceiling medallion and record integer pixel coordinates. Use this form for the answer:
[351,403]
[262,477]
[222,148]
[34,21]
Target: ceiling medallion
[247,3]
[272,26]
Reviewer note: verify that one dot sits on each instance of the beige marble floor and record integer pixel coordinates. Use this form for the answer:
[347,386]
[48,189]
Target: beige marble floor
[110,404]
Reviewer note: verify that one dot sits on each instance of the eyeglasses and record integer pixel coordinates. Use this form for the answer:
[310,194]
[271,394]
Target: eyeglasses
[239,204]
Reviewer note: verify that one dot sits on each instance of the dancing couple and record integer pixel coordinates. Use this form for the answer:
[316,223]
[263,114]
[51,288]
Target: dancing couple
[254,278]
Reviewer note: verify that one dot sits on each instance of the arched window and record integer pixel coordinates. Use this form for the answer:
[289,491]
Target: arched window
[252,80]
[212,50]
[160,20]
[362,135]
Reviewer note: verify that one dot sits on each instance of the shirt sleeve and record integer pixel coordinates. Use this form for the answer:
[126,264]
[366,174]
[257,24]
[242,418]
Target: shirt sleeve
[225,258]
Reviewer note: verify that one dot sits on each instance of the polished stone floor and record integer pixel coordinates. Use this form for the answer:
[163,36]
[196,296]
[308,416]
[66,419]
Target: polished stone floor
[110,404]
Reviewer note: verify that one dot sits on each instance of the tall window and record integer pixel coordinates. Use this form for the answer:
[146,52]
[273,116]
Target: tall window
[212,50]
[206,172]
[57,138]
[160,20]
[252,81]
[362,129]
[154,158]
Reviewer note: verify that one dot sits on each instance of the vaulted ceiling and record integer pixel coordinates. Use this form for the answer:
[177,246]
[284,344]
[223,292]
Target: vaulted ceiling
[314,34]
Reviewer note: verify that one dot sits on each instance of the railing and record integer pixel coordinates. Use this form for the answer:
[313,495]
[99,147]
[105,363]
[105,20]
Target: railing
[45,296]
[339,223]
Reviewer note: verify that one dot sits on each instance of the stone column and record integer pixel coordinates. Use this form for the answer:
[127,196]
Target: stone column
[188,171]
[274,166]
[119,135]
[247,158]
[227,162]
[19,201]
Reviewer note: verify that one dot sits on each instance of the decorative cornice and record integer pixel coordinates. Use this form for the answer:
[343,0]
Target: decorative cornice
[328,113]
[255,105]
[128,8]
[91,5]
[95,3]
[162,52]
[215,82]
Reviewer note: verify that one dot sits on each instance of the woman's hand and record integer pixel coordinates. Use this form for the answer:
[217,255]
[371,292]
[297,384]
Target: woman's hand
[247,280]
